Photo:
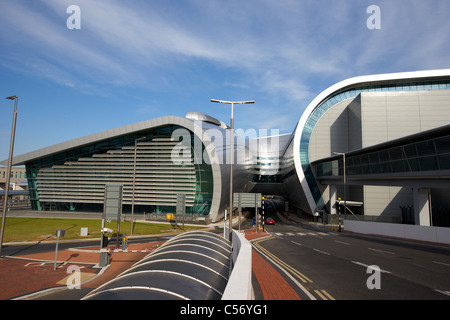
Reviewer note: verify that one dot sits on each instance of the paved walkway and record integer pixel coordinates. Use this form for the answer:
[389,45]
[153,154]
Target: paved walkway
[271,282]
[29,276]
[24,275]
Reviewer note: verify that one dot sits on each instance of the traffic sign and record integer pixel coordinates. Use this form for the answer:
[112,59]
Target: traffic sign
[112,208]
[247,200]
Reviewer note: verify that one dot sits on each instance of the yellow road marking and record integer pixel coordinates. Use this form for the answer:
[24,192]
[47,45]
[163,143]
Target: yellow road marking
[323,294]
[328,295]
[320,295]
[297,273]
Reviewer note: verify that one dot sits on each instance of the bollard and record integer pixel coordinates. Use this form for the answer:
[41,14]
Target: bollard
[104,258]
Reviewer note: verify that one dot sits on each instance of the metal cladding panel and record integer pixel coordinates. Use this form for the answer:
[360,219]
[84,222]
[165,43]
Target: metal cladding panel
[194,248]
[193,265]
[195,270]
[166,281]
[219,241]
[207,261]
[135,294]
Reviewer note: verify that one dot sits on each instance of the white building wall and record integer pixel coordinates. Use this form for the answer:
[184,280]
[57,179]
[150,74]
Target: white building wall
[391,115]
[331,133]
[373,118]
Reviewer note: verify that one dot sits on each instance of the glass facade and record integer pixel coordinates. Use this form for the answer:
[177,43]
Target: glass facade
[428,155]
[74,180]
[345,94]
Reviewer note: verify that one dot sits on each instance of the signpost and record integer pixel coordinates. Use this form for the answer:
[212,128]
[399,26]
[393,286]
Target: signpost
[247,200]
[112,208]
[181,206]
[59,233]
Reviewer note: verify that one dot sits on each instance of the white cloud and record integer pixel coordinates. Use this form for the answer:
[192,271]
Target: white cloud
[279,46]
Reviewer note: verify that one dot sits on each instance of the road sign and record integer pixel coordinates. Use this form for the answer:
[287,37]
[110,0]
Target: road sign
[112,208]
[181,204]
[247,200]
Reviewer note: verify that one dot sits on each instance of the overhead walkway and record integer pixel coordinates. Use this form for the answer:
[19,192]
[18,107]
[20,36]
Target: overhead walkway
[419,160]
[192,266]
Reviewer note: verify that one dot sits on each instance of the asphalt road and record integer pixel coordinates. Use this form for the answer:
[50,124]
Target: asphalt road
[331,265]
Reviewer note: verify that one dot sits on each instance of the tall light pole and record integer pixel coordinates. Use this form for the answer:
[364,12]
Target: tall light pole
[345,187]
[231,155]
[8,172]
[134,181]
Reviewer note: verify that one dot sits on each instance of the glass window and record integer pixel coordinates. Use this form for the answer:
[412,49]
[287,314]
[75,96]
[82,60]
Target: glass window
[428,163]
[442,145]
[444,161]
[410,151]
[425,148]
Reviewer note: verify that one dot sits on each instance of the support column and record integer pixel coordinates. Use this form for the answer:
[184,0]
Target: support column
[333,199]
[333,218]
[422,206]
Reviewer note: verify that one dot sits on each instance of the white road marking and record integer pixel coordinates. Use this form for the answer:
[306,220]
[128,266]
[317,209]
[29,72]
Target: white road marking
[381,251]
[366,266]
[443,292]
[323,252]
[445,264]
[342,242]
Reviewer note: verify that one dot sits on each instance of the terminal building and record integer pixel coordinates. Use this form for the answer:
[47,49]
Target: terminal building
[355,116]
[379,143]
[153,160]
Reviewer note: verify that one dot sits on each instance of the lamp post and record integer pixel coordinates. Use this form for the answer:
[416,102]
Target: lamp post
[134,181]
[345,187]
[8,172]
[231,156]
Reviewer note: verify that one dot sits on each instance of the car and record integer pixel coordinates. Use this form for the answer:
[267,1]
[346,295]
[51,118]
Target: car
[270,221]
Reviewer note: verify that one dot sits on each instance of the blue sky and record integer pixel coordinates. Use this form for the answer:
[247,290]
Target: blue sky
[137,60]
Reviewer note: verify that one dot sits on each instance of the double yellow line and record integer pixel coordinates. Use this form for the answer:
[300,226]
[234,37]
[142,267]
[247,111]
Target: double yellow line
[324,295]
[295,272]
[321,293]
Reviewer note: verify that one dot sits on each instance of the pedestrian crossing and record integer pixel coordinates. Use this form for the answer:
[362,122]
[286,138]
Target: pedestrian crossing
[314,234]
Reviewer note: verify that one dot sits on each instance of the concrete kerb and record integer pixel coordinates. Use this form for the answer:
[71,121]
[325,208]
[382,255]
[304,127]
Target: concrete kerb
[239,285]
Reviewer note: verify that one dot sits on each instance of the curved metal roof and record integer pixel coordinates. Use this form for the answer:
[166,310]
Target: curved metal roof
[191,266]
[355,82]
[200,116]
[214,148]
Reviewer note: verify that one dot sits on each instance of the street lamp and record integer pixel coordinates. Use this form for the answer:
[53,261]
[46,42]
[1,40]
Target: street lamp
[8,172]
[345,196]
[231,155]
[134,181]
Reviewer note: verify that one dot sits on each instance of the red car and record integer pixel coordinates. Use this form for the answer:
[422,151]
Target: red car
[270,221]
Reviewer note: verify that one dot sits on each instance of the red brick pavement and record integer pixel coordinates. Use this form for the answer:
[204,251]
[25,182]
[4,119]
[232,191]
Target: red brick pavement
[29,274]
[273,285]
[20,277]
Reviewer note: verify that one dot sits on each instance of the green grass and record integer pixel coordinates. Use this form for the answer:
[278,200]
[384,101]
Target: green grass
[39,229]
